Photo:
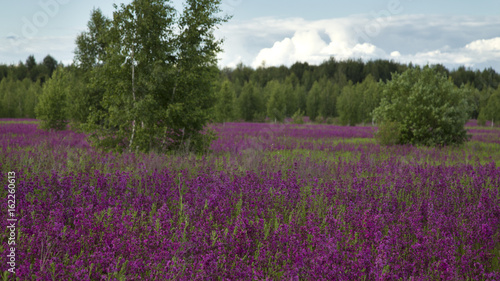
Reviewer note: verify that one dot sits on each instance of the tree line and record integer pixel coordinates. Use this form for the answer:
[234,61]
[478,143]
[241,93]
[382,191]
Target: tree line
[343,92]
[21,85]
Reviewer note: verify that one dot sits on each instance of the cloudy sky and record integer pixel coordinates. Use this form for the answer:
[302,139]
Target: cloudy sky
[282,32]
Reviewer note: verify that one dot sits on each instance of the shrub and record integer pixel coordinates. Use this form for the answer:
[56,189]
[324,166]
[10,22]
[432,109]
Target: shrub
[429,108]
[388,133]
[51,108]
[491,112]
[319,119]
[298,117]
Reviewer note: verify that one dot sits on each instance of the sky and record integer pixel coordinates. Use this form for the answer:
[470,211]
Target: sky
[279,32]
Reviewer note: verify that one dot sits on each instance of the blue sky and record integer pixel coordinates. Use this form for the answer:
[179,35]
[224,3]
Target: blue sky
[279,32]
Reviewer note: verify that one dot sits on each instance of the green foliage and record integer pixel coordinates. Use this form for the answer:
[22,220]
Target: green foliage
[322,99]
[50,64]
[199,143]
[51,109]
[291,98]
[332,121]
[30,62]
[314,101]
[357,102]
[250,103]
[40,72]
[276,104]
[78,97]
[20,72]
[307,80]
[298,117]
[224,108]
[152,73]
[101,64]
[92,44]
[18,98]
[329,94]
[319,119]
[491,111]
[300,96]
[370,92]
[428,107]
[388,133]
[349,105]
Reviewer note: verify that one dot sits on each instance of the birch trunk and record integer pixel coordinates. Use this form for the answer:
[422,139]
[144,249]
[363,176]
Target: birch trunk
[133,96]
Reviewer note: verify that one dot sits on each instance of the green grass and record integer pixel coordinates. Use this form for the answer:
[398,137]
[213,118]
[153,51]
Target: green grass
[316,155]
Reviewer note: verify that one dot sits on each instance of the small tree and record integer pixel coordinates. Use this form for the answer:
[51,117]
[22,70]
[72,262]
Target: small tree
[329,94]
[348,105]
[50,63]
[51,107]
[427,107]
[151,73]
[370,98]
[298,117]
[313,102]
[276,105]
[388,133]
[249,102]
[291,101]
[492,109]
[225,103]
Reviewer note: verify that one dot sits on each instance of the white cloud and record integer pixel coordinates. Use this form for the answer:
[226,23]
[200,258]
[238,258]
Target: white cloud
[485,45]
[307,45]
[484,52]
[280,52]
[303,46]
[395,54]
[449,40]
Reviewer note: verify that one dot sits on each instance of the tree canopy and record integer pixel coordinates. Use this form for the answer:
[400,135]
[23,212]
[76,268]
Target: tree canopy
[52,108]
[491,111]
[152,72]
[426,106]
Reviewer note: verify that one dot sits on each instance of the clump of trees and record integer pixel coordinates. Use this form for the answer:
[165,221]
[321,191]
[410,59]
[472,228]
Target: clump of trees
[150,74]
[51,107]
[424,107]
[491,109]
[357,102]
[146,78]
[339,92]
[225,107]
[21,84]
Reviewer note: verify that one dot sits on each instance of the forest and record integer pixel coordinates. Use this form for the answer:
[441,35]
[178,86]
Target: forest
[334,92]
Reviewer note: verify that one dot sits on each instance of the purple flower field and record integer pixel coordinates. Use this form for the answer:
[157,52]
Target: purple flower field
[270,202]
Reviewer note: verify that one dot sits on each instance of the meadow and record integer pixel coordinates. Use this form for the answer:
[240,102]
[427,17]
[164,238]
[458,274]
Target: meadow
[269,202]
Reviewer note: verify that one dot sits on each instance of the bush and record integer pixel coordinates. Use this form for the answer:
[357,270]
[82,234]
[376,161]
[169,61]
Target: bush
[298,117]
[51,108]
[491,112]
[199,143]
[319,119]
[388,133]
[429,108]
